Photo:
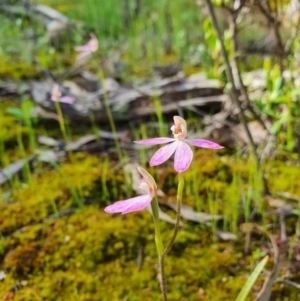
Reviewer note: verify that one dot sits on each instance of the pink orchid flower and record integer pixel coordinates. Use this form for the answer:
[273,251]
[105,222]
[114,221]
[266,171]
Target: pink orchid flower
[89,47]
[183,153]
[56,96]
[138,203]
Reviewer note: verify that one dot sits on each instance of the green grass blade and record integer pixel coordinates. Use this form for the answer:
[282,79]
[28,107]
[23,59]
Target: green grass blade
[251,280]
[73,190]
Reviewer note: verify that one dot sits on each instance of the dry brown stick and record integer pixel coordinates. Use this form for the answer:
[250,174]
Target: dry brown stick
[275,27]
[289,282]
[265,292]
[233,91]
[233,14]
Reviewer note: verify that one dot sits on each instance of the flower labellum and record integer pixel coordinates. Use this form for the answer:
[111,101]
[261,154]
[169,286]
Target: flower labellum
[56,96]
[138,203]
[183,153]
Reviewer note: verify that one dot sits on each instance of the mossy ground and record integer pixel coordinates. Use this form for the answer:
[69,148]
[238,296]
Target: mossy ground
[91,255]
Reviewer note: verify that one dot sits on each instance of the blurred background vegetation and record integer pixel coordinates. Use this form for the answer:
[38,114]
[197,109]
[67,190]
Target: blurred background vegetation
[56,242]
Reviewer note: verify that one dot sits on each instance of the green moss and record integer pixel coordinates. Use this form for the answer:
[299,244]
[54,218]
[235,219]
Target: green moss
[283,177]
[285,293]
[10,129]
[17,70]
[92,256]
[35,202]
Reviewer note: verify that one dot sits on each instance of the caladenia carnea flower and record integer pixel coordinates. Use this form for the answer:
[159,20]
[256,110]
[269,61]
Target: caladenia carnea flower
[84,50]
[183,153]
[148,185]
[56,96]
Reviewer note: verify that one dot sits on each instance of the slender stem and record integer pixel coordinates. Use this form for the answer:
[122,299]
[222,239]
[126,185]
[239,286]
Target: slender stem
[158,240]
[162,277]
[62,125]
[159,247]
[111,119]
[26,168]
[233,15]
[73,190]
[61,121]
[164,253]
[177,221]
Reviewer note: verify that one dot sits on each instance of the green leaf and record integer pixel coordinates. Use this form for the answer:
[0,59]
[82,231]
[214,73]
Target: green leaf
[278,84]
[207,26]
[259,105]
[15,112]
[267,65]
[280,99]
[296,212]
[27,108]
[251,280]
[217,2]
[211,41]
[276,127]
[295,92]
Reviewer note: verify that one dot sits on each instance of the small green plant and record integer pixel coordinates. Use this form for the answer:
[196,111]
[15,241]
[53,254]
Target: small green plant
[252,279]
[26,115]
[73,190]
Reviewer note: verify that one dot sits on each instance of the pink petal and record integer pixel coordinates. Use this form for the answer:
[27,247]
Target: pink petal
[203,143]
[183,157]
[154,141]
[82,48]
[90,46]
[134,204]
[163,154]
[67,99]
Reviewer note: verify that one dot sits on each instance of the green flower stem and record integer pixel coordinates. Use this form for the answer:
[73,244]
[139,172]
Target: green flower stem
[111,118]
[162,277]
[160,249]
[178,213]
[158,240]
[176,229]
[163,253]
[62,125]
